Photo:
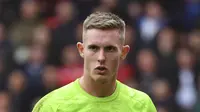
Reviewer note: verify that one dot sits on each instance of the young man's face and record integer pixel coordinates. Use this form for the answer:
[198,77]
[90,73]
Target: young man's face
[102,51]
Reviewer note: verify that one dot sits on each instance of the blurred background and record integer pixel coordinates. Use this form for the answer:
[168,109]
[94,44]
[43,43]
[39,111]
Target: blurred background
[38,49]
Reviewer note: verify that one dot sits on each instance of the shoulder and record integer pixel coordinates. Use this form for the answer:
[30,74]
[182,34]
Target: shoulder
[138,98]
[54,99]
[132,92]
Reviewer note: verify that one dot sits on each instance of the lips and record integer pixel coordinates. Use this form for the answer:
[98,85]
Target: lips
[101,69]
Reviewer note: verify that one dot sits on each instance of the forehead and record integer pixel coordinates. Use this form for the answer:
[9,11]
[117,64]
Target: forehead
[102,37]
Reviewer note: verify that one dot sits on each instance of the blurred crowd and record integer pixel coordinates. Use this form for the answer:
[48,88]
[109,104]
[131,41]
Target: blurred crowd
[38,49]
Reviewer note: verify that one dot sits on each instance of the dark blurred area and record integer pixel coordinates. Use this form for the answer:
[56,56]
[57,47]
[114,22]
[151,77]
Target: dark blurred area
[38,49]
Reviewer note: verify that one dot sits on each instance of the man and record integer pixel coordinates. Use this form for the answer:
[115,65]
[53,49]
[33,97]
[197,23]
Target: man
[98,90]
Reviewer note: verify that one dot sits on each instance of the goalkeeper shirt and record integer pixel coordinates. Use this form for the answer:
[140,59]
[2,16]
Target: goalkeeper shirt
[72,98]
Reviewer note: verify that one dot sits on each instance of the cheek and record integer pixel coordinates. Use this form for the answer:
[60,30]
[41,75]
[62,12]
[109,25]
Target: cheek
[113,61]
[89,61]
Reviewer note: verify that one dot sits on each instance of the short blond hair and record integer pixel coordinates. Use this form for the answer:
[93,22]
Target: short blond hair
[104,21]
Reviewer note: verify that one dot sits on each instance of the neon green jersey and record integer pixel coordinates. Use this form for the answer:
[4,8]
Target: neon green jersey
[72,98]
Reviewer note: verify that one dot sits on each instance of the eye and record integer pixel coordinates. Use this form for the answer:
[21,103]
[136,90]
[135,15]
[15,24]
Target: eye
[110,49]
[93,47]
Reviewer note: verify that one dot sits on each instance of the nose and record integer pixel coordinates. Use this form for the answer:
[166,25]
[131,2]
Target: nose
[101,57]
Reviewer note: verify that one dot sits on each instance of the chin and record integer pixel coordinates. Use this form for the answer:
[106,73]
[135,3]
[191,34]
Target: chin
[101,78]
[102,81]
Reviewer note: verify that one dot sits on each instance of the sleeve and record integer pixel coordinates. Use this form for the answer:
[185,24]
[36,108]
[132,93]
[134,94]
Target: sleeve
[149,106]
[42,106]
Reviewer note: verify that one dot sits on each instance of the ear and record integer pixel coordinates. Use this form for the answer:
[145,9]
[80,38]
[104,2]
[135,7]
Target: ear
[125,50]
[80,48]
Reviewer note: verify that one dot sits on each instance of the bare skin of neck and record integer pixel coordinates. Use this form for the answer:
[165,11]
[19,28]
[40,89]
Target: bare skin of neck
[97,89]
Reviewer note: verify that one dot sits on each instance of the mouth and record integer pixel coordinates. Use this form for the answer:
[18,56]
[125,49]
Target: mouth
[101,69]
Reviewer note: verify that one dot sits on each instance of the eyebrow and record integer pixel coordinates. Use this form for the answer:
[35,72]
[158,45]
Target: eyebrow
[110,46]
[107,46]
[92,45]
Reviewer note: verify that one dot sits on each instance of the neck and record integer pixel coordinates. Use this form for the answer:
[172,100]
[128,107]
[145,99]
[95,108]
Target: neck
[96,88]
